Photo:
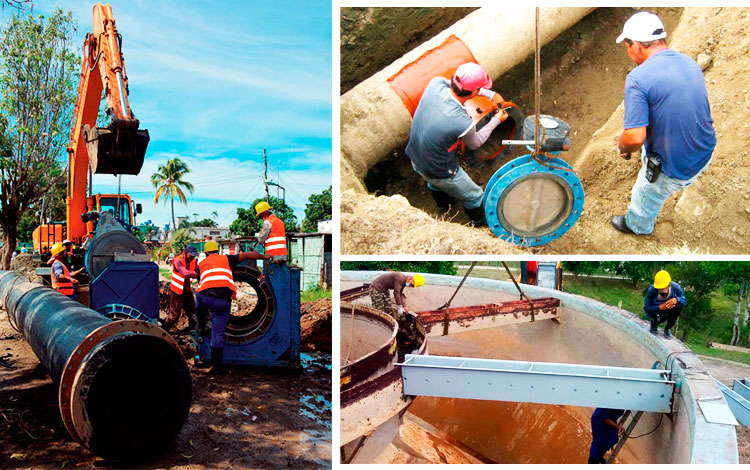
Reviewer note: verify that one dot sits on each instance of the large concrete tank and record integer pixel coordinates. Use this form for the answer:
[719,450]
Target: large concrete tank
[589,333]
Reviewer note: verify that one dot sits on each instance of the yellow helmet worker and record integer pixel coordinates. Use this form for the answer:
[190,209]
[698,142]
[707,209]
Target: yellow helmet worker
[418,280]
[261,207]
[662,280]
[272,234]
[664,302]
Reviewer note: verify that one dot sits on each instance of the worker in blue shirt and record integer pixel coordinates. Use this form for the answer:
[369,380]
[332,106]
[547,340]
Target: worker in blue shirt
[664,302]
[605,432]
[667,117]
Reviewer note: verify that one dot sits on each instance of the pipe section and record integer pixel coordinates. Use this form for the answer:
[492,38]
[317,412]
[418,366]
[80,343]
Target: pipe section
[374,119]
[124,386]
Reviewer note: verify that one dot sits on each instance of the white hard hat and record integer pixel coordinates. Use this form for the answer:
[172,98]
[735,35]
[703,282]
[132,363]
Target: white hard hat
[642,27]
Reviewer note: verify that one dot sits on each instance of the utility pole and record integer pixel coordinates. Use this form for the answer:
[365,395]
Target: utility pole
[265,174]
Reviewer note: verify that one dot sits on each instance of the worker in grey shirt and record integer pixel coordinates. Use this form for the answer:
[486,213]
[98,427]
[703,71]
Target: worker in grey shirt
[272,234]
[439,122]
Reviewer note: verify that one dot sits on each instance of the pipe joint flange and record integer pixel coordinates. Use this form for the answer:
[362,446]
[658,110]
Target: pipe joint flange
[531,204]
[71,414]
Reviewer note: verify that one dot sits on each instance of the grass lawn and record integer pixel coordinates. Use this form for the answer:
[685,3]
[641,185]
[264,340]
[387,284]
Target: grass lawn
[314,293]
[620,293]
[167,273]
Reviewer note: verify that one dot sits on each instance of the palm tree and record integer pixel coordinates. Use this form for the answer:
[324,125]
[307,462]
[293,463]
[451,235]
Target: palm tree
[169,183]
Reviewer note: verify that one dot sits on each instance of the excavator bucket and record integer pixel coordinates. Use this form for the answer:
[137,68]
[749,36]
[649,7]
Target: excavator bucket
[118,149]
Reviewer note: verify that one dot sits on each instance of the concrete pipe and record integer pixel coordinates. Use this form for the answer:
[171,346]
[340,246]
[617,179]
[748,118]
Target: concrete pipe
[124,386]
[375,119]
[588,332]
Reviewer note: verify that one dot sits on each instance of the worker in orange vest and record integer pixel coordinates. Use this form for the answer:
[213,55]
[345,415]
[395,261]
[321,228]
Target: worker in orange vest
[216,291]
[273,233]
[181,295]
[62,279]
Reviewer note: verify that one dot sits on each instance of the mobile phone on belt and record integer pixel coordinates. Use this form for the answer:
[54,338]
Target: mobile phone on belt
[653,166]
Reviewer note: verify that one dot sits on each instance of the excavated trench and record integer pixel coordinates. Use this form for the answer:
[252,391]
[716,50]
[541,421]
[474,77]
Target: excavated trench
[581,83]
[589,333]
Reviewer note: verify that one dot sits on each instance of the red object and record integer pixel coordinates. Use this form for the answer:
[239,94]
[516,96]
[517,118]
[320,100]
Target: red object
[409,82]
[178,281]
[63,287]
[276,242]
[215,272]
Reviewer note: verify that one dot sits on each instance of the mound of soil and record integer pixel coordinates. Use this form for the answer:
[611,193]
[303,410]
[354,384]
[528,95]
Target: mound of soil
[24,263]
[390,225]
[315,325]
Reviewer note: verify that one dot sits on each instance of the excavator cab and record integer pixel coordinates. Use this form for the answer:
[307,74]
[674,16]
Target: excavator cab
[117,149]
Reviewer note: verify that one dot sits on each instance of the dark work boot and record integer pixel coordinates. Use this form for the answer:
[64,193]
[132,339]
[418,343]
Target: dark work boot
[653,329]
[667,332]
[217,359]
[443,201]
[476,215]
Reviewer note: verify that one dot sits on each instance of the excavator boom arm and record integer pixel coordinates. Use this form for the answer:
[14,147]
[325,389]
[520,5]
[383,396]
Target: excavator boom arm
[120,147]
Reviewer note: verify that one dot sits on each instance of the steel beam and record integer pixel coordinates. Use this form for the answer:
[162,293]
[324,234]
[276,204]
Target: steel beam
[742,388]
[538,382]
[740,406]
[476,317]
[354,293]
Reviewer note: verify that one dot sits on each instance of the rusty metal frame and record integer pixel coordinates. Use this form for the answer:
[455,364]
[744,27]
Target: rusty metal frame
[459,319]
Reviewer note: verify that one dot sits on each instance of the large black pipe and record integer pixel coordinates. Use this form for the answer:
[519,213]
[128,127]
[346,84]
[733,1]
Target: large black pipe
[124,386]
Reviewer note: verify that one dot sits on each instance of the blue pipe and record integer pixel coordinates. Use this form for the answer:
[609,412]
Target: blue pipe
[109,373]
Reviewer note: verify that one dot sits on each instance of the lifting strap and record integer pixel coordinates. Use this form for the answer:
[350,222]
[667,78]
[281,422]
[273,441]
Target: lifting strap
[448,303]
[520,292]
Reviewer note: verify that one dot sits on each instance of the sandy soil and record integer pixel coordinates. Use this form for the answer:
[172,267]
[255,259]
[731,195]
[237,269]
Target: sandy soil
[250,418]
[582,82]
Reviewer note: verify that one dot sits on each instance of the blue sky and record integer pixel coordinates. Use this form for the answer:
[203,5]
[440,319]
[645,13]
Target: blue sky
[214,83]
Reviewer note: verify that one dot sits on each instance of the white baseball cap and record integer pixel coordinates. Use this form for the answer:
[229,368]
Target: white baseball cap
[642,27]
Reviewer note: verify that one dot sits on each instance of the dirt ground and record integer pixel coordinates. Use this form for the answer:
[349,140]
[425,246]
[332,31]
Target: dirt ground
[583,74]
[249,418]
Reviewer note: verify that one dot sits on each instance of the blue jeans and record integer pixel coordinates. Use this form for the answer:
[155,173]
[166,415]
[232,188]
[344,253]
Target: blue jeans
[648,198]
[460,186]
[220,310]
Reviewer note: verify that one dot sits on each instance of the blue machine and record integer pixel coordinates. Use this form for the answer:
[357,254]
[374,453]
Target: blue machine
[124,282]
[532,201]
[269,335]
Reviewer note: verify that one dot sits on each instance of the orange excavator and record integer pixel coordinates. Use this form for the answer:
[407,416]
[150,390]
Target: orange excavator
[117,149]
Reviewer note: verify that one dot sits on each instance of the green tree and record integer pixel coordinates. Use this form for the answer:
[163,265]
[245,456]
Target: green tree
[37,73]
[204,223]
[318,207]
[247,223]
[581,267]
[697,279]
[29,221]
[433,267]
[168,181]
[636,271]
[180,238]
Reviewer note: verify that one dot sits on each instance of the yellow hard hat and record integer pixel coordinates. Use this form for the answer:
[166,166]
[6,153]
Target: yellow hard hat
[418,280]
[261,207]
[662,280]
[56,248]
[210,246]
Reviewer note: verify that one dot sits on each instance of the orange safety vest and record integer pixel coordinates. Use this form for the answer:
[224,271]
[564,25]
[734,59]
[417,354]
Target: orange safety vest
[215,272]
[63,287]
[178,281]
[276,242]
